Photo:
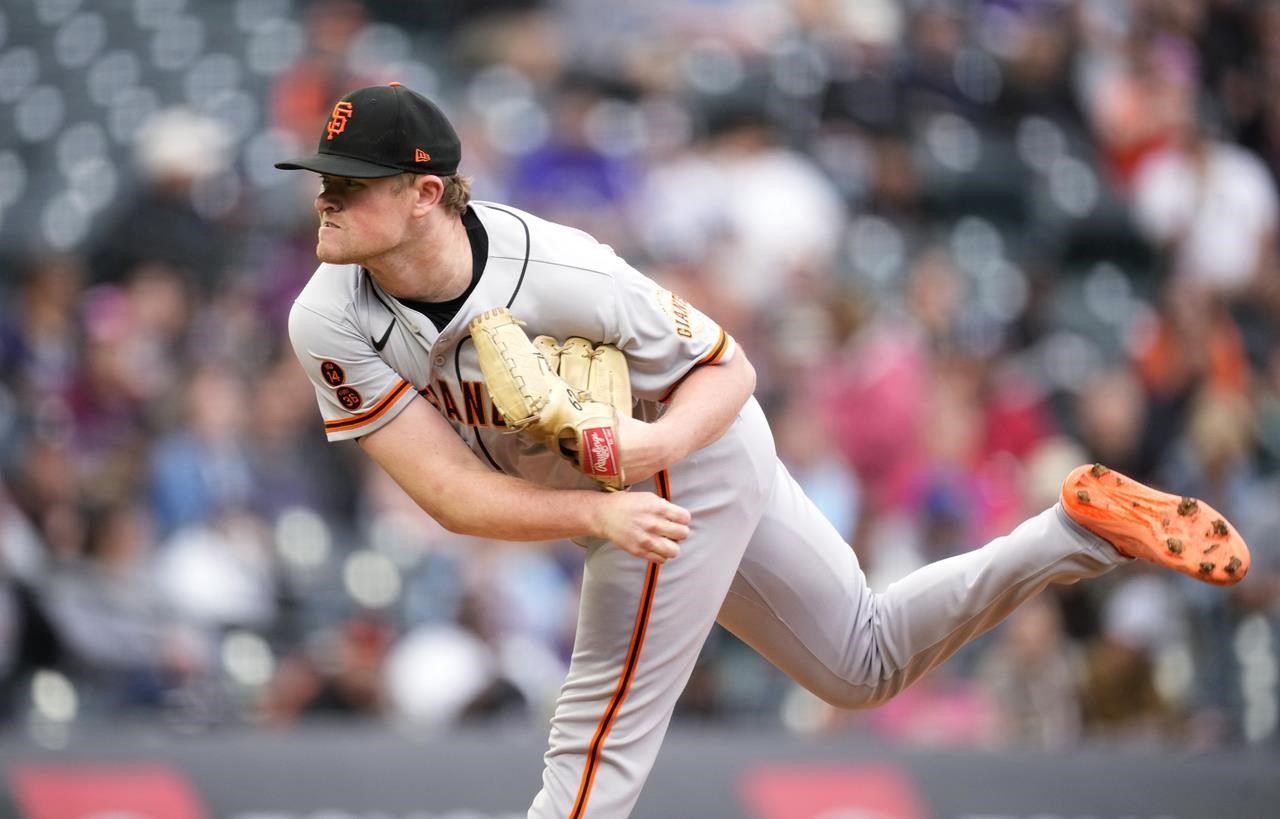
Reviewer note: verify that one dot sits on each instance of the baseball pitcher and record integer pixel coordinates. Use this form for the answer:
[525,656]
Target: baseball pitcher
[521,381]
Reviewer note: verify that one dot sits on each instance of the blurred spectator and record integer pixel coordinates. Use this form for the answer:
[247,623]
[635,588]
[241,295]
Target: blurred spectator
[804,446]
[167,222]
[1193,348]
[1038,54]
[1111,410]
[935,37]
[1193,342]
[1247,62]
[286,471]
[42,326]
[27,639]
[1120,696]
[1212,207]
[341,674]
[303,93]
[1030,678]
[218,573]
[1214,459]
[582,175]
[1138,88]
[440,674]
[883,372]
[49,494]
[107,401]
[298,101]
[746,210]
[524,36]
[203,467]
[159,314]
[1267,398]
[107,609]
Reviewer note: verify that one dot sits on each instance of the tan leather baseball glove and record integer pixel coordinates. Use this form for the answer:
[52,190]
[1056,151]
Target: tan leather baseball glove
[564,395]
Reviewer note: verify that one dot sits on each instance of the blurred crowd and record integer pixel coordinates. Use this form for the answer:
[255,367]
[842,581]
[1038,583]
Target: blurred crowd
[967,245]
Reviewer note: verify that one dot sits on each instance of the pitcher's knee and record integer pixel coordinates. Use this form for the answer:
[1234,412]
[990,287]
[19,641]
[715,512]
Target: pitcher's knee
[851,695]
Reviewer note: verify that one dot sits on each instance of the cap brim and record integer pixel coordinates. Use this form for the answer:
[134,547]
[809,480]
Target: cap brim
[334,165]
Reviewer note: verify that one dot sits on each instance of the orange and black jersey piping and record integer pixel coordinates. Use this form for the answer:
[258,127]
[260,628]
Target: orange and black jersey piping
[713,356]
[372,414]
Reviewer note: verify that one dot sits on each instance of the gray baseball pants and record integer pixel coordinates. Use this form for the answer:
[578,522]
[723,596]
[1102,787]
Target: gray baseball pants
[763,562]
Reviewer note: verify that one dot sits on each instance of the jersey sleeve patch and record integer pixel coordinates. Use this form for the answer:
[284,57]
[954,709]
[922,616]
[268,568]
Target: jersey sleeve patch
[333,373]
[357,390]
[350,398]
[370,415]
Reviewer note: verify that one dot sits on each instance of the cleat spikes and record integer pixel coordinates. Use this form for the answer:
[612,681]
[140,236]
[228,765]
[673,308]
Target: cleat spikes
[1177,532]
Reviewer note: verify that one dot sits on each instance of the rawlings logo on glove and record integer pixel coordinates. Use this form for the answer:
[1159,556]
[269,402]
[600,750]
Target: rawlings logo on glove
[564,395]
[601,452]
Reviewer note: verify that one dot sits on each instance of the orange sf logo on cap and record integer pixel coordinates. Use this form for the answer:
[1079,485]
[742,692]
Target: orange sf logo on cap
[338,119]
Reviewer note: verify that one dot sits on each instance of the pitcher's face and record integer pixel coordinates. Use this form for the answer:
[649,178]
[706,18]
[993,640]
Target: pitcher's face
[361,219]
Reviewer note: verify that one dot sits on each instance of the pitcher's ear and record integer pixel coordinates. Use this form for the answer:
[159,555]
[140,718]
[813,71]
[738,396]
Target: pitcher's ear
[429,189]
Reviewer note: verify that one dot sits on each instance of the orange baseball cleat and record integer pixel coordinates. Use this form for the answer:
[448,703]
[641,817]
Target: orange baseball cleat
[1183,534]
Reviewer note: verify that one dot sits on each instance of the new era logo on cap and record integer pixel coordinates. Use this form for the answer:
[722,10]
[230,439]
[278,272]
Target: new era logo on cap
[380,131]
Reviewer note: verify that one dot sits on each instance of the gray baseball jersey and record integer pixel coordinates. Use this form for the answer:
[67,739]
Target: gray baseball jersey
[760,558]
[369,355]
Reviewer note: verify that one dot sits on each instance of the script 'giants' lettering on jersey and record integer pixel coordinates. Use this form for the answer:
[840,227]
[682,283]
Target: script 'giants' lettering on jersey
[479,409]
[450,406]
[688,322]
[473,402]
[681,309]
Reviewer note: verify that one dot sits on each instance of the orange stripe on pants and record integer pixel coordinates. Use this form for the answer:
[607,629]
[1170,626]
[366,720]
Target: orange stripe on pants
[628,672]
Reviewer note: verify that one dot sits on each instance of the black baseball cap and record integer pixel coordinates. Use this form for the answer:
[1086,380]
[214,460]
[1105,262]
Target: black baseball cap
[383,130]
